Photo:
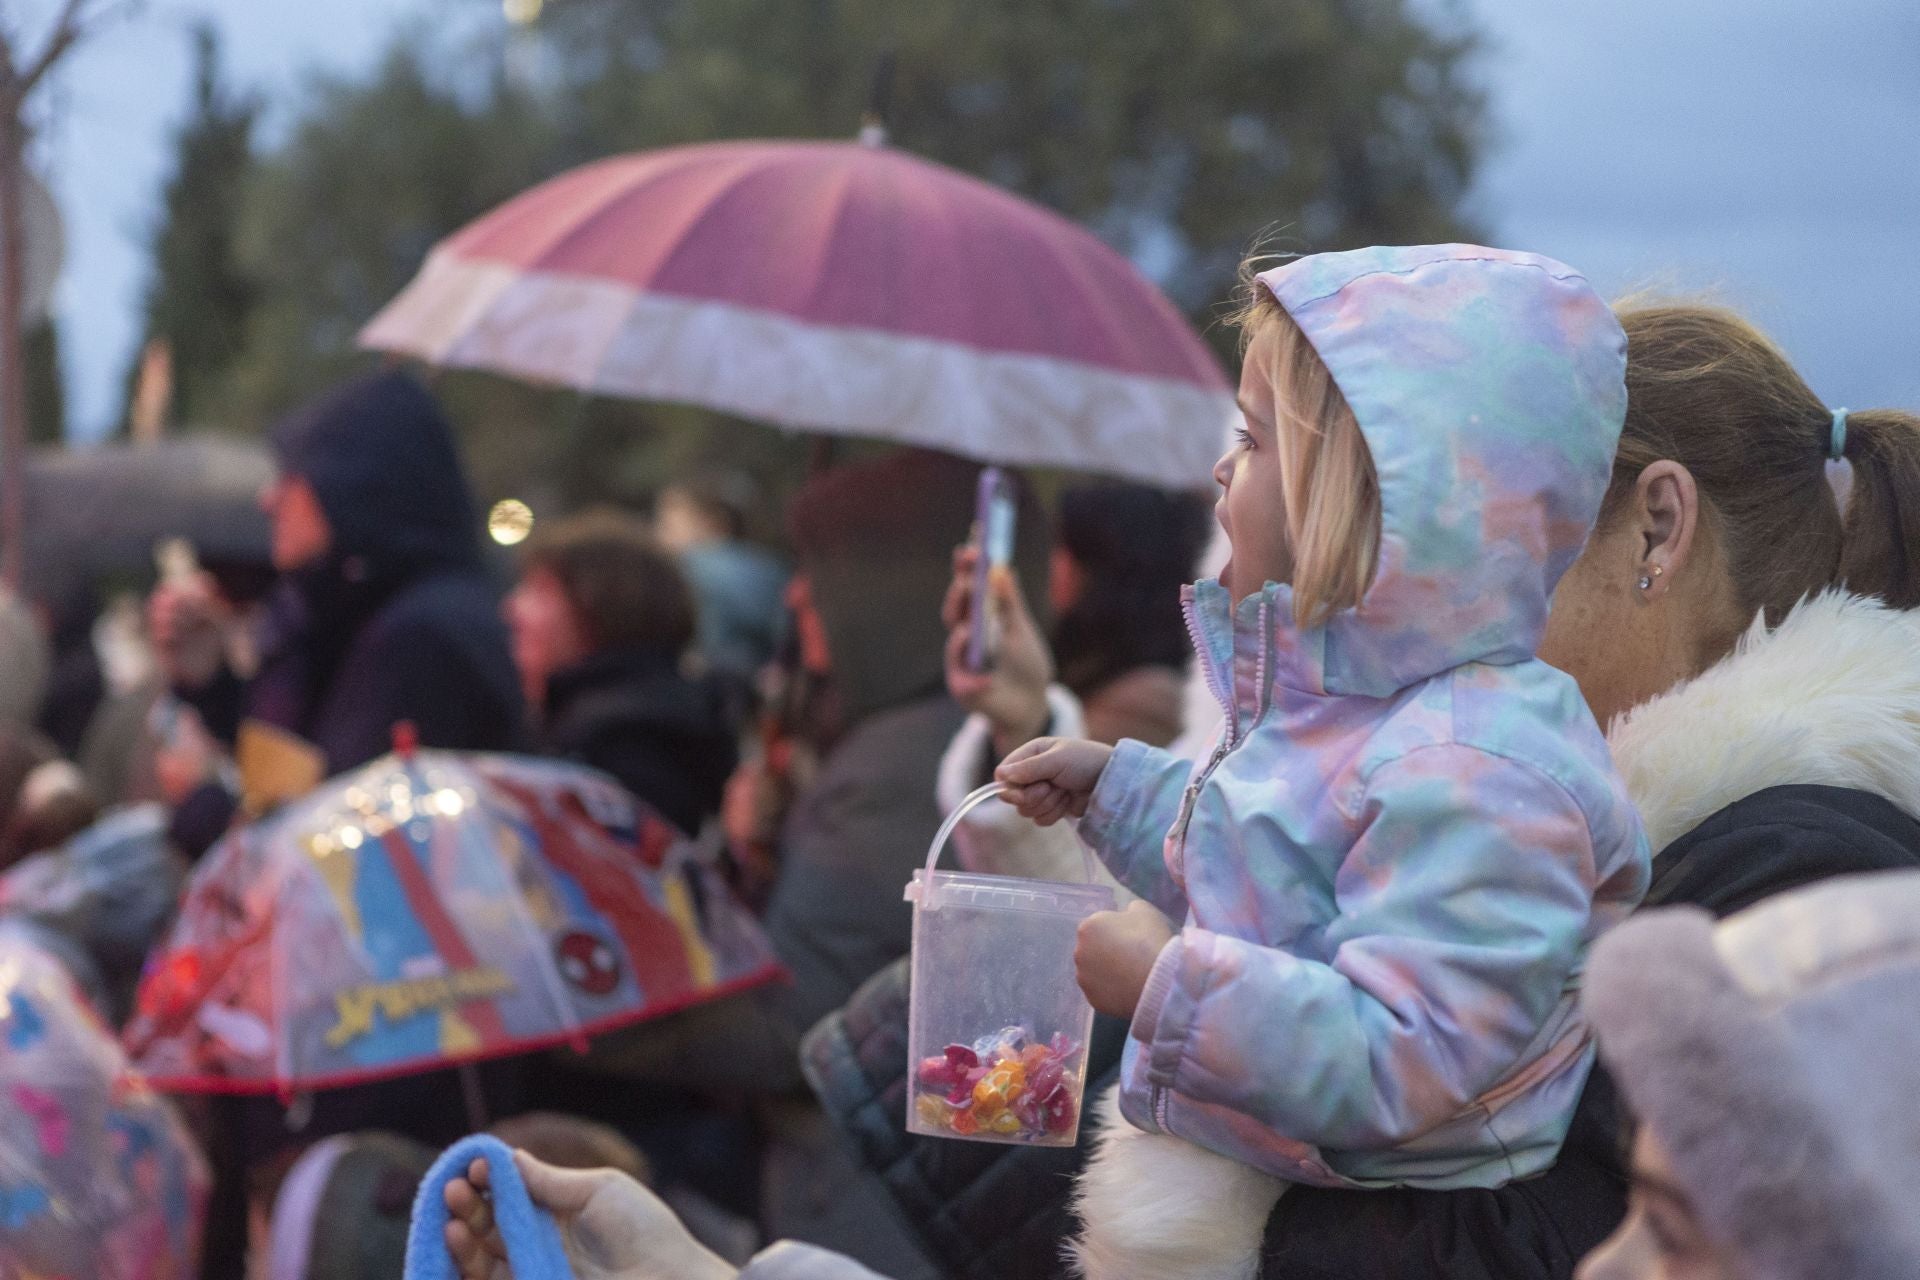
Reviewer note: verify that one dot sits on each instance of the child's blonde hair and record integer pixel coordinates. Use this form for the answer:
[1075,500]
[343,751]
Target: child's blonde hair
[1329,485]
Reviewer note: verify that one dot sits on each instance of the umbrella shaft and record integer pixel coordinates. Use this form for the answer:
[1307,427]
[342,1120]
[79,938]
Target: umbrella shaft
[474,1096]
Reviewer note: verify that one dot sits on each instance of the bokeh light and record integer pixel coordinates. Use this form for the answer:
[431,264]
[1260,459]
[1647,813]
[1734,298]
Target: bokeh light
[510,521]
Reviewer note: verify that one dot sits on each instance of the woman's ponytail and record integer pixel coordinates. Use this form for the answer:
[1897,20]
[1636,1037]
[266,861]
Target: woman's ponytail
[1880,549]
[1708,390]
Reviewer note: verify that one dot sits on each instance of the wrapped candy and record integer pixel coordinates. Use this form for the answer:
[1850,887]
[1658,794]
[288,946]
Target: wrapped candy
[1009,1086]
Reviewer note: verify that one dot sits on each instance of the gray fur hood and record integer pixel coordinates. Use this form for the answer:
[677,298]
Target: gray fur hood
[1776,1056]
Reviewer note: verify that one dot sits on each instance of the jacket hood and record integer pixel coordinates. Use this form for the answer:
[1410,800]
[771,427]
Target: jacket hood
[382,460]
[1490,387]
[876,539]
[1830,697]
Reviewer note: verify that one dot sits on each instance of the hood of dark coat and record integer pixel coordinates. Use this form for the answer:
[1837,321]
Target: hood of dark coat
[382,459]
[630,692]
[632,685]
[670,738]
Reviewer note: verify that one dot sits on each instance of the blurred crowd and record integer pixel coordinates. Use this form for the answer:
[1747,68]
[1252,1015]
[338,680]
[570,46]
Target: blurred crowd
[791,716]
[808,716]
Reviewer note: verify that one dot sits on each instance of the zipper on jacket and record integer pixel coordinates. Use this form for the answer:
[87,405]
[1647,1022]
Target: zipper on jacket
[1262,681]
[1177,838]
[1178,835]
[1231,738]
[1203,653]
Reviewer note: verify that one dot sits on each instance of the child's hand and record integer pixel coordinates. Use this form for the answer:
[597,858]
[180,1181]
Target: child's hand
[613,1228]
[1115,952]
[1052,778]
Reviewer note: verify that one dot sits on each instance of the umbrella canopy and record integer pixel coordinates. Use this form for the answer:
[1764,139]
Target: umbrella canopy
[101,509]
[98,1179]
[837,287]
[100,901]
[431,910]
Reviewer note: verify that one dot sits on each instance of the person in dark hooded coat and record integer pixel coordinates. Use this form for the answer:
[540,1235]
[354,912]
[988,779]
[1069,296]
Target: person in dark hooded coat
[874,544]
[383,611]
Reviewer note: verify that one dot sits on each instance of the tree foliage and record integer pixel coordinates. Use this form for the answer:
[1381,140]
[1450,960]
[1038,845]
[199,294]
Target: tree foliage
[1180,132]
[199,300]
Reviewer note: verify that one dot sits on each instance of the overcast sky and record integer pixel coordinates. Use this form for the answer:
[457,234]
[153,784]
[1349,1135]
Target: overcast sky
[1766,152]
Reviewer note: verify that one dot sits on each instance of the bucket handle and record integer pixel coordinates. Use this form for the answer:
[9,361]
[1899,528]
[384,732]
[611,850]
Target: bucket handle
[973,801]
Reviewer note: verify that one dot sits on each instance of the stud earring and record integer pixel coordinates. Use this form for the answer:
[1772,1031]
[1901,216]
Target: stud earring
[1646,583]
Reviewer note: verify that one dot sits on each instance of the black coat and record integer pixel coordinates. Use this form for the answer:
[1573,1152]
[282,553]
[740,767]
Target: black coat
[999,1213]
[670,740]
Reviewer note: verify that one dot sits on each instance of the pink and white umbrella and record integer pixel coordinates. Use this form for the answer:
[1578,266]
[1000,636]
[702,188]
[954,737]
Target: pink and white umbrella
[835,287]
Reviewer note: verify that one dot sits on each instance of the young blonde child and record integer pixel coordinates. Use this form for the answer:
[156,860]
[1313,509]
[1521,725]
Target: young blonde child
[1391,867]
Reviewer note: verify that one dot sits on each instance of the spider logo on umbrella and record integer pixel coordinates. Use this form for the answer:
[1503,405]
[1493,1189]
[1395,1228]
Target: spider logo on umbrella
[588,963]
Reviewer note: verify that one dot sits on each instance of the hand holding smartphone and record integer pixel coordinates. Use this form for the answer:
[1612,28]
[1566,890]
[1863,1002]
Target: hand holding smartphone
[993,531]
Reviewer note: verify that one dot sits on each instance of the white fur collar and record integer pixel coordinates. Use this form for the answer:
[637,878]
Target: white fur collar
[1831,696]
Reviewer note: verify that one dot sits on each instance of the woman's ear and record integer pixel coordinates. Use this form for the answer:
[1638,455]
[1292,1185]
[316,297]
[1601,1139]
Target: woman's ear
[1667,510]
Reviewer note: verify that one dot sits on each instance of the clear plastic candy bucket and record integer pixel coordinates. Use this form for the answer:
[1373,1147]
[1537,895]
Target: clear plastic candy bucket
[997,1028]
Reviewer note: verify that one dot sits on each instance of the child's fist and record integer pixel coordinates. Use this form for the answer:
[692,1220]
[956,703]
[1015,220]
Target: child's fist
[1115,952]
[1052,778]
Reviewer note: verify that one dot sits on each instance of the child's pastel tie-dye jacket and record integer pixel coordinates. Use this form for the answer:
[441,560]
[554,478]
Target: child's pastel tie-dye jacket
[1409,833]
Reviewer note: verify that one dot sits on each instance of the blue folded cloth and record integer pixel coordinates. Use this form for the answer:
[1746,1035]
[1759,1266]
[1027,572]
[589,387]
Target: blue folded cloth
[534,1250]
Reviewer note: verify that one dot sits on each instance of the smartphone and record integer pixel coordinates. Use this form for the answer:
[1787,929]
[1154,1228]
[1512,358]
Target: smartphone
[993,538]
[178,565]
[177,561]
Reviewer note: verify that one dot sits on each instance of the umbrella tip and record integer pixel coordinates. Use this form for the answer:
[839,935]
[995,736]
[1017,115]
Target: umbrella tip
[873,122]
[406,739]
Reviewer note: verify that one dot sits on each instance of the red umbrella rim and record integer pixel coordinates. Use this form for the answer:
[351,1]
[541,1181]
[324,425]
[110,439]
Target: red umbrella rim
[229,1086]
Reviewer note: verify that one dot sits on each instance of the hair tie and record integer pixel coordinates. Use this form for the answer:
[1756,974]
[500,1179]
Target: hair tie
[1837,442]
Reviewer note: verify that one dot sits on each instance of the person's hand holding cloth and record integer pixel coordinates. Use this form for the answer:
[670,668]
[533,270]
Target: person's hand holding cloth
[488,1224]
